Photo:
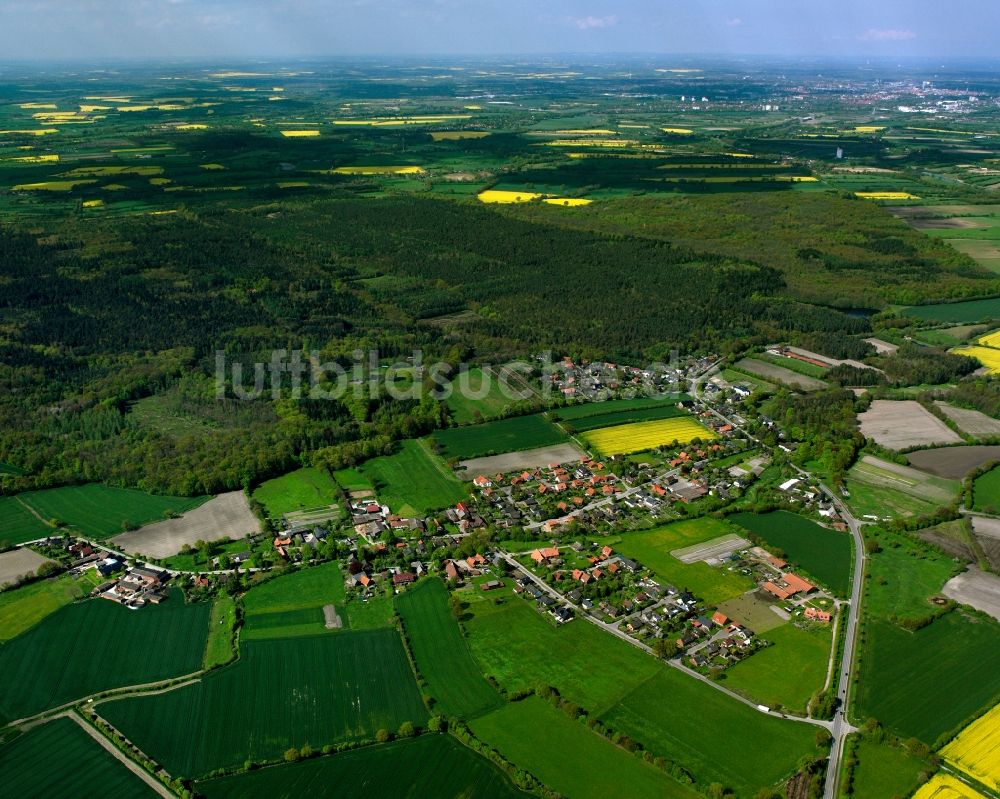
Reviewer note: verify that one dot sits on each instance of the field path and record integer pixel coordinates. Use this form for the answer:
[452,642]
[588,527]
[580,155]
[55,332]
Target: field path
[33,512]
[443,470]
[115,752]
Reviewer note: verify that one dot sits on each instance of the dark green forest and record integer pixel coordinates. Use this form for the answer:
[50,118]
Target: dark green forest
[100,315]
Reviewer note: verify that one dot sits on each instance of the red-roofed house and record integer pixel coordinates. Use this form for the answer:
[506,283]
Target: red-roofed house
[720,618]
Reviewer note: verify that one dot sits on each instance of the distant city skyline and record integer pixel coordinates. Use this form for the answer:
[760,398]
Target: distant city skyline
[116,29]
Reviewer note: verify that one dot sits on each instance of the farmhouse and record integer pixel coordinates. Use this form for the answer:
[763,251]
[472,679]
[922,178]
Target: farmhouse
[818,615]
[544,555]
[788,585]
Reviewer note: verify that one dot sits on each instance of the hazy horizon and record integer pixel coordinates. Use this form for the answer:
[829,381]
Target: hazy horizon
[96,30]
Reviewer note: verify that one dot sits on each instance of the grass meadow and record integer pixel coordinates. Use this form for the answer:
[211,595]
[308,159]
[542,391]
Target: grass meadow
[413,480]
[570,758]
[442,654]
[23,608]
[652,549]
[788,672]
[99,511]
[677,717]
[309,487]
[521,649]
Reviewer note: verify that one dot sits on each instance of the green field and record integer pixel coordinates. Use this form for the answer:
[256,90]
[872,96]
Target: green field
[969,311]
[652,549]
[96,645]
[885,771]
[414,481]
[928,683]
[521,649]
[708,733]
[986,491]
[568,757]
[18,524]
[661,411]
[291,605]
[311,690]
[304,588]
[469,407]
[443,658]
[24,607]
[309,487]
[493,438]
[788,672]
[584,410]
[821,552]
[903,577]
[58,760]
[101,512]
[431,765]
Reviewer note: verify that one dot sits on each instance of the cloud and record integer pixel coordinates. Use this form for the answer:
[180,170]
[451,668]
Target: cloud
[589,23]
[735,22]
[886,35]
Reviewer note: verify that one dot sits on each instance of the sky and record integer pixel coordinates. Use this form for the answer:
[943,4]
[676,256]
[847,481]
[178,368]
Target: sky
[209,29]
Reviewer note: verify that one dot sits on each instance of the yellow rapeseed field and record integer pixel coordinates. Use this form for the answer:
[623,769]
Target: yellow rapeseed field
[567,201]
[35,159]
[38,105]
[191,126]
[638,436]
[378,170]
[679,131]
[976,751]
[990,339]
[299,134]
[886,195]
[93,203]
[53,185]
[987,356]
[36,132]
[944,786]
[500,196]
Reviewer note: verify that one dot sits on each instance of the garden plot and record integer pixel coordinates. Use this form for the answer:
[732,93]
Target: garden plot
[977,588]
[226,516]
[901,424]
[886,474]
[975,423]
